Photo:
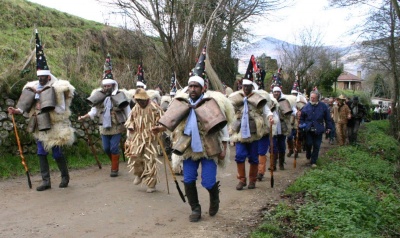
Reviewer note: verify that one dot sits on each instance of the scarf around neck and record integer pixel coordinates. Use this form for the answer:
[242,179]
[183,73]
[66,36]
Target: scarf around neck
[192,129]
[107,113]
[244,126]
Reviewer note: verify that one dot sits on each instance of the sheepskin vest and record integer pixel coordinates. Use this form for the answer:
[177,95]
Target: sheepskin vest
[61,132]
[256,119]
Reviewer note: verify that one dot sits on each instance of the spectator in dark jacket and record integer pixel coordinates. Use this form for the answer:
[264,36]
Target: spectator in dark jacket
[312,119]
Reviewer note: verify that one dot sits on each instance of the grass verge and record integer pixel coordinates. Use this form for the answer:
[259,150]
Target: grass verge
[353,193]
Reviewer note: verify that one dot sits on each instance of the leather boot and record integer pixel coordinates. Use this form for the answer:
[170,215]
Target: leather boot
[193,199]
[114,165]
[274,158]
[45,172]
[290,147]
[241,168]
[281,161]
[253,176]
[214,199]
[262,161]
[62,166]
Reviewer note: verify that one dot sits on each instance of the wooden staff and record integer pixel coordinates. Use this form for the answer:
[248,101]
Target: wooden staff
[296,153]
[21,152]
[271,155]
[91,144]
[170,168]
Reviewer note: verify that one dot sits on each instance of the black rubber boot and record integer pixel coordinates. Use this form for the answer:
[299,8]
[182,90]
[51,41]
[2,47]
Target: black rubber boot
[62,165]
[214,199]
[45,172]
[191,194]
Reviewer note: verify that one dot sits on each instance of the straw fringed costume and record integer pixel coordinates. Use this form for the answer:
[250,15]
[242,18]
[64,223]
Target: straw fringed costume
[228,111]
[141,144]
[61,132]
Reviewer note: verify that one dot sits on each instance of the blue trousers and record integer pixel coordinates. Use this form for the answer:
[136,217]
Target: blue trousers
[208,171]
[313,143]
[111,143]
[263,145]
[247,150]
[57,152]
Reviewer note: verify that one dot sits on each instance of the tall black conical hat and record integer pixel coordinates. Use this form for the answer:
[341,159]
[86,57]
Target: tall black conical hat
[140,74]
[199,69]
[41,62]
[250,68]
[108,68]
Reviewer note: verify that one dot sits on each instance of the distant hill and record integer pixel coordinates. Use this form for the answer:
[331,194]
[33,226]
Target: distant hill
[75,48]
[270,47]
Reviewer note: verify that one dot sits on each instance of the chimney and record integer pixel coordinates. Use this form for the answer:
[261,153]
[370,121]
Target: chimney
[359,74]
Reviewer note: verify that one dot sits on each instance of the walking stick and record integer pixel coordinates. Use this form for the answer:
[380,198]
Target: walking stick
[170,168]
[21,152]
[296,153]
[89,140]
[271,155]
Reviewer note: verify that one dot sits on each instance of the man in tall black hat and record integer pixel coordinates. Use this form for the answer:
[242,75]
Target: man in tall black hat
[248,129]
[112,107]
[197,140]
[48,101]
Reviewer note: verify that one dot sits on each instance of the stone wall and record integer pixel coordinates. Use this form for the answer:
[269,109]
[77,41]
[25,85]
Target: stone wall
[8,143]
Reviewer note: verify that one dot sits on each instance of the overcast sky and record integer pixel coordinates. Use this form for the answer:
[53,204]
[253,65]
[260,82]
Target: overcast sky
[333,24]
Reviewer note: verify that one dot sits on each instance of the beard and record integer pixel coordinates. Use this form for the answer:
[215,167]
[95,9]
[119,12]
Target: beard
[314,103]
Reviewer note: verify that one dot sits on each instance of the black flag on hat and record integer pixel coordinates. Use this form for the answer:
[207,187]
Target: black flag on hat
[250,68]
[41,62]
[108,68]
[173,83]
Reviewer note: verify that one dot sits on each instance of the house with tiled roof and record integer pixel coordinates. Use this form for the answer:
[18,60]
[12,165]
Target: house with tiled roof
[349,81]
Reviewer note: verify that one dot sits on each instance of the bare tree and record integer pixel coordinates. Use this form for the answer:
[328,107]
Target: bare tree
[308,57]
[184,27]
[347,3]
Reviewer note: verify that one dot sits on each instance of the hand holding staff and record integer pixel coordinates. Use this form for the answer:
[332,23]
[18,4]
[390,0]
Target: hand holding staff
[21,152]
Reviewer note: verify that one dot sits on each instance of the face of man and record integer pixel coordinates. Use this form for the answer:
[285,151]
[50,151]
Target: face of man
[142,102]
[195,90]
[247,89]
[44,79]
[314,98]
[277,94]
[108,88]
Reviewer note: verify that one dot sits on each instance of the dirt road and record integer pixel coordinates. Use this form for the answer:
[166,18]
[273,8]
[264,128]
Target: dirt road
[96,205]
